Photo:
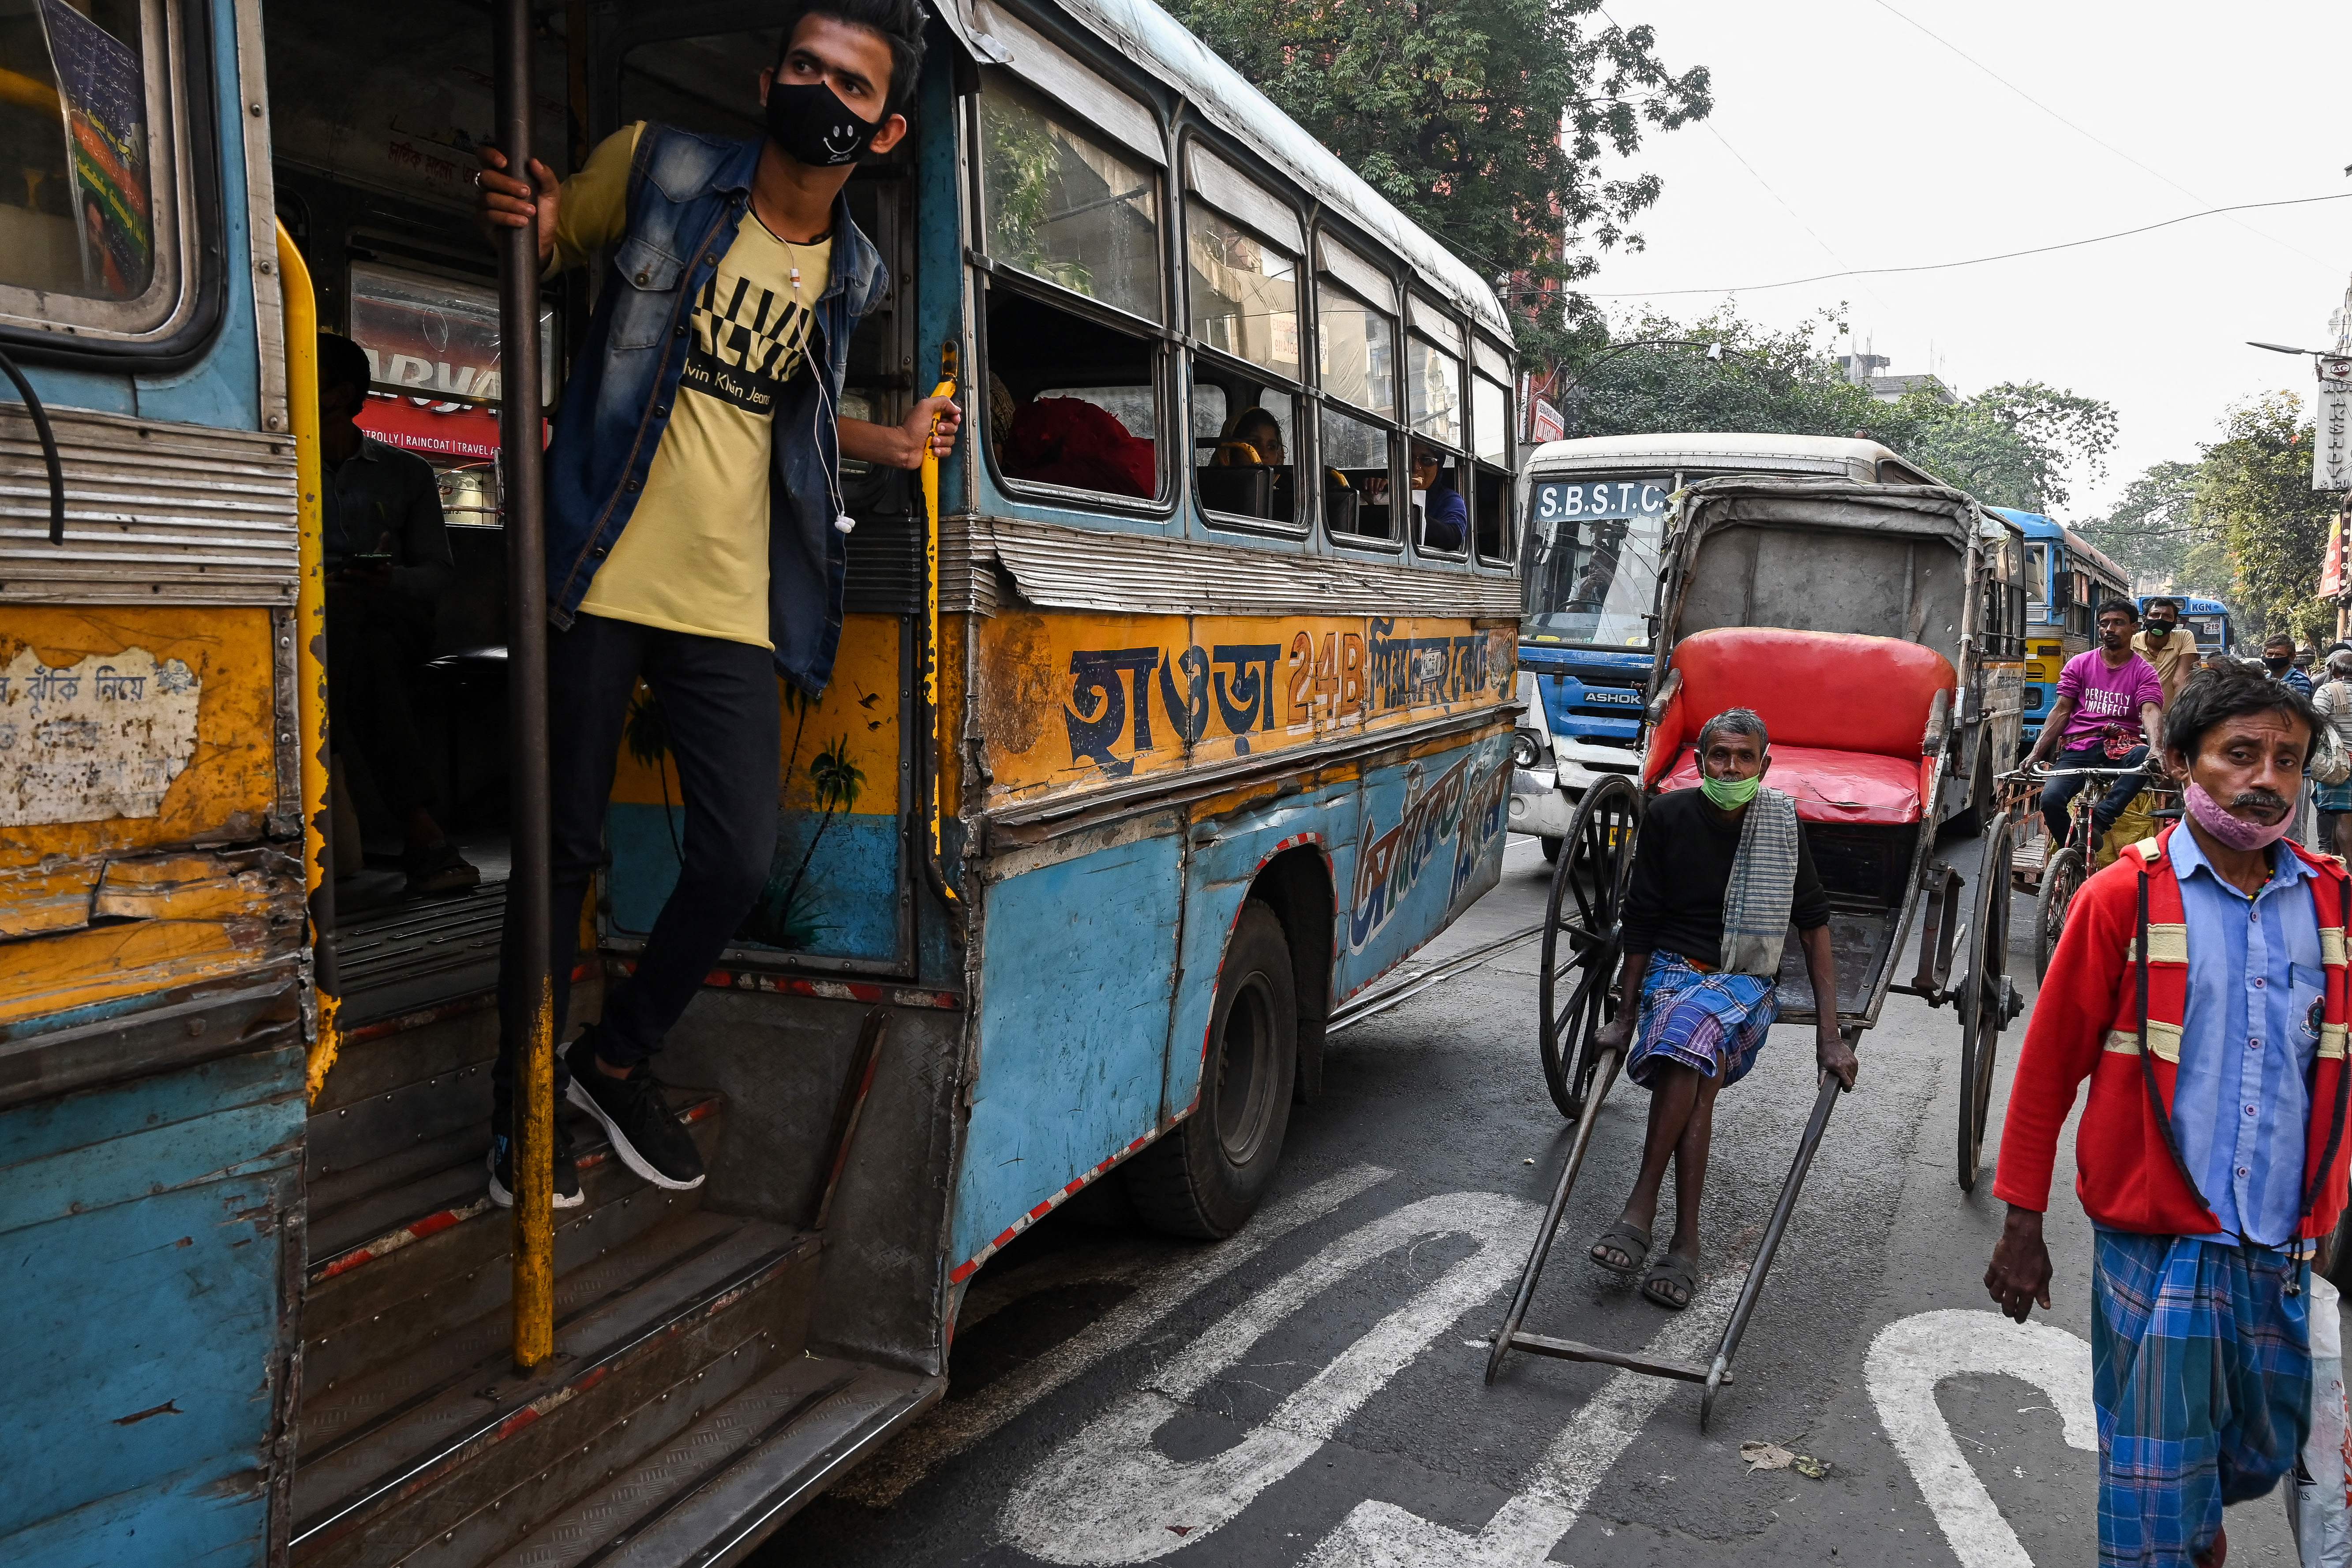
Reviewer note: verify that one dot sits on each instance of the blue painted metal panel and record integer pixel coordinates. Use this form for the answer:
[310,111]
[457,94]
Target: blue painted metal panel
[1216,881]
[1430,843]
[1588,694]
[847,905]
[1076,977]
[144,1240]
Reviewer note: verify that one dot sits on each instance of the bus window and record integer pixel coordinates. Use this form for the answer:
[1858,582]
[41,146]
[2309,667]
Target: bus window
[1359,357]
[2037,575]
[1432,385]
[1490,443]
[1358,471]
[89,223]
[1244,292]
[1243,446]
[1074,398]
[1594,558]
[1063,207]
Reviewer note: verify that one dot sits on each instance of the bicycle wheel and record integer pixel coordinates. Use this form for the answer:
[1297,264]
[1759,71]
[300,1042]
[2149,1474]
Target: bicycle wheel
[2060,880]
[1581,949]
[1983,998]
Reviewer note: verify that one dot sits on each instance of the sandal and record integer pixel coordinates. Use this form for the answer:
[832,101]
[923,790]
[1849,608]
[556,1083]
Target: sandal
[1672,1283]
[1627,1240]
[438,870]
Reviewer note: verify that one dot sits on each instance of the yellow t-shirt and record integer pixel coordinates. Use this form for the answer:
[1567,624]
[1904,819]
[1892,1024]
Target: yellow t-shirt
[694,557]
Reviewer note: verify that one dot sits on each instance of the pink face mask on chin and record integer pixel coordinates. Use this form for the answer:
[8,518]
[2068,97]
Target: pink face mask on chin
[2235,831]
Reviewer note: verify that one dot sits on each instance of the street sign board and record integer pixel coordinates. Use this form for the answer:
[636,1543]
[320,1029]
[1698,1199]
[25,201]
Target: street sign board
[2331,454]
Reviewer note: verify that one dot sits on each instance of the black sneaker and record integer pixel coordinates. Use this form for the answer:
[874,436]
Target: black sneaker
[646,1135]
[567,1173]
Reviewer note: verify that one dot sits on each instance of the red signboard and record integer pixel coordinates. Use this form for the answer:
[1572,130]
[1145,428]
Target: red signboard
[466,434]
[2331,573]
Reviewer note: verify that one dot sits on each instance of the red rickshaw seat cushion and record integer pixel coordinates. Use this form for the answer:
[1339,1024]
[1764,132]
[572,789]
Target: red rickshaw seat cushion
[1848,715]
[1830,786]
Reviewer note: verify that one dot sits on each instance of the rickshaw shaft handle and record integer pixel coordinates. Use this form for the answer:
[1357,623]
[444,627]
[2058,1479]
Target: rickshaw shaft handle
[1823,1103]
[1606,1076]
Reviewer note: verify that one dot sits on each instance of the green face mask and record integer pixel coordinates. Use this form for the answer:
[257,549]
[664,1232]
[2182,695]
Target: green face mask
[1729,794]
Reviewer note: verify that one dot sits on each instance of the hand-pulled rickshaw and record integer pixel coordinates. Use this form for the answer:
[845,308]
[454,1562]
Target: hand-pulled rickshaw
[1849,616]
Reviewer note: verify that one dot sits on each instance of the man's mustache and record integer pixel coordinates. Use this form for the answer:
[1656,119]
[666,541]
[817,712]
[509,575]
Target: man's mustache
[2265,805]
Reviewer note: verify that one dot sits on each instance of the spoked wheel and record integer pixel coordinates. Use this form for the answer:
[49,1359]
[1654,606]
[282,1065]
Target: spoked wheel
[2060,880]
[1579,946]
[1984,996]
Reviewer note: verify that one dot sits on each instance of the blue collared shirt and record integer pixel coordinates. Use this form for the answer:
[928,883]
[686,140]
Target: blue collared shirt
[2242,1102]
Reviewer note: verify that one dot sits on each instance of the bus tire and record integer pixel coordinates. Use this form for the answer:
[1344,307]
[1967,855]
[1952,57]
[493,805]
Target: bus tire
[1205,1175]
[1551,851]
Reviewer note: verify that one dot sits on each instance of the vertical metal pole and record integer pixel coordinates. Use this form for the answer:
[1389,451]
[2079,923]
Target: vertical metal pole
[520,450]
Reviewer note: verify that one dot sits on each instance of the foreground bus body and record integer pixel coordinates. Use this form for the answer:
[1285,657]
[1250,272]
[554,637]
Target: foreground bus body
[261,1292]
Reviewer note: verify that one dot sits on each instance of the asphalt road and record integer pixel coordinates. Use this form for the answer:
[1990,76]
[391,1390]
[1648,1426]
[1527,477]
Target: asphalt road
[1309,1392]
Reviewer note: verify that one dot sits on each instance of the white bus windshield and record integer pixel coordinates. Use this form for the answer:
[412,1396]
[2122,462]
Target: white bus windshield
[1593,558]
[2205,629]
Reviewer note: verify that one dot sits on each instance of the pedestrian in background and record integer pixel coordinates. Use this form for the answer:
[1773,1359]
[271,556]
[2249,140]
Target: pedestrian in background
[2170,648]
[2333,701]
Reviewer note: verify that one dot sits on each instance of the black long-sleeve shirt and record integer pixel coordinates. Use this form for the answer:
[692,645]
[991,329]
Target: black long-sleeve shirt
[1682,864]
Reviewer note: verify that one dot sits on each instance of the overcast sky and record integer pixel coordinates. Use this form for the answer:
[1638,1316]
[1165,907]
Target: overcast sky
[1867,143]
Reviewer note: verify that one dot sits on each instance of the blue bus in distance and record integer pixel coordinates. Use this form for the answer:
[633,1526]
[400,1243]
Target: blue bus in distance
[2067,578]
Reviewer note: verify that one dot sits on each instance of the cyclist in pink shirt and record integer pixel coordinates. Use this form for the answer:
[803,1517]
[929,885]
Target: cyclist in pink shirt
[2109,704]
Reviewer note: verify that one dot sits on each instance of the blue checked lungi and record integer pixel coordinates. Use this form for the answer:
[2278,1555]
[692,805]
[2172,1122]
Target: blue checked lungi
[2200,1369]
[1705,1019]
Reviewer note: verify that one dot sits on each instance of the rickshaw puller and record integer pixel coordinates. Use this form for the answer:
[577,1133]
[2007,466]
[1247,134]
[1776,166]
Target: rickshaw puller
[2211,1155]
[1719,874]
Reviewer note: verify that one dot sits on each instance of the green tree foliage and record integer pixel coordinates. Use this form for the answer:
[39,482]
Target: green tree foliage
[1454,109]
[2010,445]
[2152,530]
[2253,490]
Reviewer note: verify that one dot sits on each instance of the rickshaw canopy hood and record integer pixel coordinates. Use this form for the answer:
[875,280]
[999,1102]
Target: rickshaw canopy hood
[1933,511]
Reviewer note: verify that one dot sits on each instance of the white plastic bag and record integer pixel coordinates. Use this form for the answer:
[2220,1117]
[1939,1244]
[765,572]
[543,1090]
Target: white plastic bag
[2316,1505]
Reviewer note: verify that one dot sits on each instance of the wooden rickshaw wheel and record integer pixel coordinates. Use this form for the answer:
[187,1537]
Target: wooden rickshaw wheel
[1983,995]
[1581,940]
[2061,879]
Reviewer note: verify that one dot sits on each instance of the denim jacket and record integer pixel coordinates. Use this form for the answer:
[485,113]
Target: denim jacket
[686,193]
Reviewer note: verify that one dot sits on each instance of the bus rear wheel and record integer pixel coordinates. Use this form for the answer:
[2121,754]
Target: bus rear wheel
[1205,1178]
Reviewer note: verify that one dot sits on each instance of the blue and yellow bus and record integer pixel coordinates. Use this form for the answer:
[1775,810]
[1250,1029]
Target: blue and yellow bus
[1130,772]
[2208,619]
[2067,578]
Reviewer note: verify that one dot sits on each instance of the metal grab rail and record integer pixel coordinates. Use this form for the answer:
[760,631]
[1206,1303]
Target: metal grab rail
[299,305]
[531,998]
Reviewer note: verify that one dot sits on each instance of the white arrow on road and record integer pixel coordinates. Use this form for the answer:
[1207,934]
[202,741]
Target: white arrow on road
[1525,1529]
[1107,1495]
[1912,1356]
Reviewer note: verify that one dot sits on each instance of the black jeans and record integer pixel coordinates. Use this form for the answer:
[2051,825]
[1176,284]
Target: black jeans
[2062,789]
[723,718]
[377,638]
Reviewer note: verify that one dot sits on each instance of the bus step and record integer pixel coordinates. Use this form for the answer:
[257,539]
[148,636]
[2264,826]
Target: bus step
[405,1454]
[424,1251]
[712,1492]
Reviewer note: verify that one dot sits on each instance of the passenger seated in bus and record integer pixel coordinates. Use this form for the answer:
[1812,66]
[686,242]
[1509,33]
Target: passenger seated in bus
[1069,441]
[1444,515]
[1251,439]
[1711,899]
[386,554]
[705,561]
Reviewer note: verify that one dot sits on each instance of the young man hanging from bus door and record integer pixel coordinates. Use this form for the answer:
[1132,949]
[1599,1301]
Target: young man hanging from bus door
[2211,1152]
[387,558]
[2106,714]
[1720,873]
[695,523]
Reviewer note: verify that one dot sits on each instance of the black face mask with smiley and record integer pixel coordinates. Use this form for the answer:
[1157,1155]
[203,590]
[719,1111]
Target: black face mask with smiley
[814,127]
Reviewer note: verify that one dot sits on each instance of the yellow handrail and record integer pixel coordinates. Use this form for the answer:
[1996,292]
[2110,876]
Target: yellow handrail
[301,318]
[930,483]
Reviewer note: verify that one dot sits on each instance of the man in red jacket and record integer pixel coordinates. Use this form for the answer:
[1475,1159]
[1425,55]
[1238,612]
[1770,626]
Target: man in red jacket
[2201,986]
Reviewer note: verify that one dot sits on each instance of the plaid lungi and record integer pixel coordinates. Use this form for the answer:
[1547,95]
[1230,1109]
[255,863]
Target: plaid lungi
[1709,1020]
[2200,1369]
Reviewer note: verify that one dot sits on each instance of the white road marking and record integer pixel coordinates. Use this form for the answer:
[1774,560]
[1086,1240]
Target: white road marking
[1107,1495]
[952,1427]
[1524,1530]
[1911,1355]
